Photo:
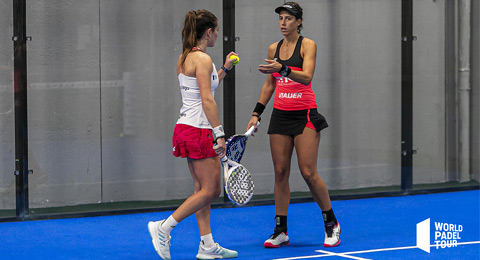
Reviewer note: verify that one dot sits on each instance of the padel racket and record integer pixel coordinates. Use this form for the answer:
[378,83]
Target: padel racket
[238,182]
[237,143]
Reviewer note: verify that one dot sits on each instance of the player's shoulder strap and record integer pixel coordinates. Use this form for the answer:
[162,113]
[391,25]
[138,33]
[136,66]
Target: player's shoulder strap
[298,46]
[279,44]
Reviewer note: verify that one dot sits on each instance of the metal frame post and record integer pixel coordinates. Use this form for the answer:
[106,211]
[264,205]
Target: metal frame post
[407,96]
[228,81]
[20,97]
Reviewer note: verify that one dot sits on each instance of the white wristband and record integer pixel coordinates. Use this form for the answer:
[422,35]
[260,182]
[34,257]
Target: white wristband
[218,132]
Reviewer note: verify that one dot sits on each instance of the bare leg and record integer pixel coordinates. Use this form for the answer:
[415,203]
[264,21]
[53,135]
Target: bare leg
[206,176]
[306,146]
[203,214]
[281,147]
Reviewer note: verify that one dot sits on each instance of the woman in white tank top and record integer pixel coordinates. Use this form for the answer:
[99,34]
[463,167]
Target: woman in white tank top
[193,137]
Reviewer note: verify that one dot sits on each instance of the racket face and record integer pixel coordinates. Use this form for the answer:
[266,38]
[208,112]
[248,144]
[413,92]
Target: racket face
[239,185]
[236,147]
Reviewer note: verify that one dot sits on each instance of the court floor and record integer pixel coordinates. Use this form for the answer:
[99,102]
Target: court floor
[379,228]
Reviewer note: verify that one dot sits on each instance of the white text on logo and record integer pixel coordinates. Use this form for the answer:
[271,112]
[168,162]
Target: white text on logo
[446,235]
[290,95]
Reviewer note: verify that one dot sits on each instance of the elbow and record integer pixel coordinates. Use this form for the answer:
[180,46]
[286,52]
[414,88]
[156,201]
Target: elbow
[307,81]
[207,103]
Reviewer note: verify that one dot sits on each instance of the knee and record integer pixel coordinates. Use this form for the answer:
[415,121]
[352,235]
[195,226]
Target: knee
[281,175]
[213,193]
[310,176]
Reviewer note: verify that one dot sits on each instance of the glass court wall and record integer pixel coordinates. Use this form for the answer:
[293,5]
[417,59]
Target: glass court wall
[103,99]
[7,135]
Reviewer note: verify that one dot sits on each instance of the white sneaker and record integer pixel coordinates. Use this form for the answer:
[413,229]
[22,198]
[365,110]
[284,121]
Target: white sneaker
[216,252]
[332,234]
[277,240]
[160,240]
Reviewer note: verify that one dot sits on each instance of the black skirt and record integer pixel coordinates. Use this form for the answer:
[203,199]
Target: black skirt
[293,122]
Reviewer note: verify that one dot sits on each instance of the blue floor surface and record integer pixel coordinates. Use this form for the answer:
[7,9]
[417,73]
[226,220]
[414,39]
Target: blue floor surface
[387,224]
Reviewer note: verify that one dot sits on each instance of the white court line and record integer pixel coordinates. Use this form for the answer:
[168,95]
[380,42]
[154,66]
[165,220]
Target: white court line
[402,248]
[341,254]
[346,254]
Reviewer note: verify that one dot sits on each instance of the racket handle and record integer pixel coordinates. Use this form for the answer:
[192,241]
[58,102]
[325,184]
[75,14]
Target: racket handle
[251,129]
[224,158]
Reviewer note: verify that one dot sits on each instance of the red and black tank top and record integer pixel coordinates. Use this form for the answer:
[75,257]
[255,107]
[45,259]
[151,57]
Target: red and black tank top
[289,94]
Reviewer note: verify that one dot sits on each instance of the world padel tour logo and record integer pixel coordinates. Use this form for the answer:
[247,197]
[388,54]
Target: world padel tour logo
[445,235]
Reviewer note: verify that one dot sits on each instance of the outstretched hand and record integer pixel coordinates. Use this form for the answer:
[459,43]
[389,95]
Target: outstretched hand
[272,66]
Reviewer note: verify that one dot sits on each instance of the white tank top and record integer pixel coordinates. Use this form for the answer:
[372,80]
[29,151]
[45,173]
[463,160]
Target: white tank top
[191,112]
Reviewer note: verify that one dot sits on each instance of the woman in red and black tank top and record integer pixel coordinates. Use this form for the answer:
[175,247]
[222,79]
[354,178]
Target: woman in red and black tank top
[295,122]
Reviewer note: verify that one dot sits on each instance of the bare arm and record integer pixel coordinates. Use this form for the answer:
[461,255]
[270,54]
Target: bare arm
[203,71]
[268,88]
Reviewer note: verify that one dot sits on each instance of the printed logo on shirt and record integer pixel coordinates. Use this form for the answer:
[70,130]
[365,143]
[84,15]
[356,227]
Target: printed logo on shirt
[214,77]
[290,95]
[284,80]
[185,88]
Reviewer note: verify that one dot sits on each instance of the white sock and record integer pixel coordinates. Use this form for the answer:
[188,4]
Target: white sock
[168,225]
[207,240]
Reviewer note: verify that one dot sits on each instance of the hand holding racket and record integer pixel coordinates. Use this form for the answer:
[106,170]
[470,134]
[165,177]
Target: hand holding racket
[238,182]
[236,144]
[220,146]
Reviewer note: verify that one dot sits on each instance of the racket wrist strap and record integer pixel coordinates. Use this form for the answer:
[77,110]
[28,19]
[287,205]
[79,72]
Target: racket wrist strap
[218,132]
[259,107]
